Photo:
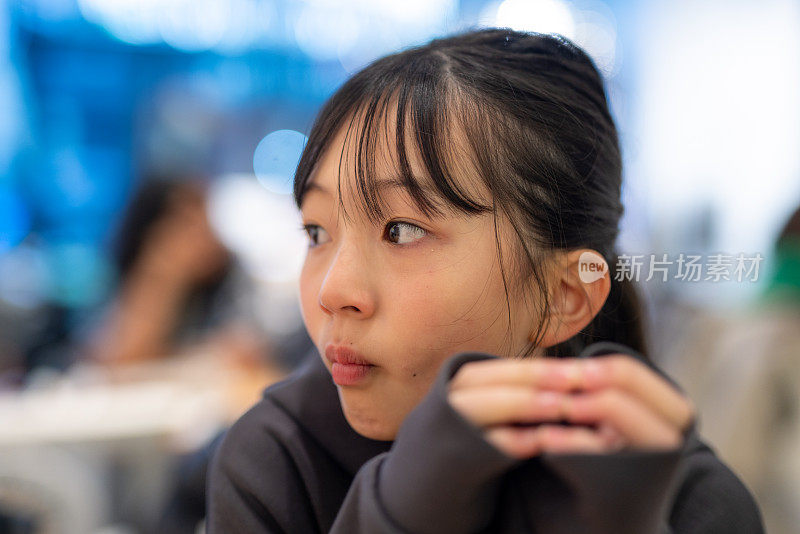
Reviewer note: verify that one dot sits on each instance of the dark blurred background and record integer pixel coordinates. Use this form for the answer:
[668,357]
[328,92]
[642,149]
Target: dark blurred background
[137,130]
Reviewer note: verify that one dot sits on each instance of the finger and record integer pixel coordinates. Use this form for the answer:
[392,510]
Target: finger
[569,374]
[573,439]
[641,427]
[550,373]
[526,442]
[636,378]
[493,405]
[516,442]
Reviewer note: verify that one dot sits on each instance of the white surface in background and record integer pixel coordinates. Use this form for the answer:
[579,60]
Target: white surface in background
[263,228]
[67,411]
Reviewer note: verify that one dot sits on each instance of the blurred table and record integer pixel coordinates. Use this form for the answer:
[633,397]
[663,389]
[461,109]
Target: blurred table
[74,448]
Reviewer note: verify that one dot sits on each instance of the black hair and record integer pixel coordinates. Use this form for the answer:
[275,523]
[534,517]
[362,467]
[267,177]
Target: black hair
[147,206]
[153,199]
[537,130]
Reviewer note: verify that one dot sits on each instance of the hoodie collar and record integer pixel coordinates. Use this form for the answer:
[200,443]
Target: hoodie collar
[311,398]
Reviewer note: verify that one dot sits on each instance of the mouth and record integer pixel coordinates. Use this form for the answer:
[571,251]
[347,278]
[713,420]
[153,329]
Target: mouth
[348,367]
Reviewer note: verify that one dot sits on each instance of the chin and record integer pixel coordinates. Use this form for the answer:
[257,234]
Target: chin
[370,427]
[378,434]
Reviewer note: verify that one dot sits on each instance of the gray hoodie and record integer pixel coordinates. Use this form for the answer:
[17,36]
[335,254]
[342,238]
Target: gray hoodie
[292,464]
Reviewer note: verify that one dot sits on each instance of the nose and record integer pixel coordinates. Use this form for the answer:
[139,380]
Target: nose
[345,290]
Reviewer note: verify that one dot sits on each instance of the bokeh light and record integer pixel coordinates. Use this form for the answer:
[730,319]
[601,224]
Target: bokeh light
[261,226]
[275,159]
[544,16]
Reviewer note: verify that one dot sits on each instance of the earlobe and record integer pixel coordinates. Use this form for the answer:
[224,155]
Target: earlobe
[580,287]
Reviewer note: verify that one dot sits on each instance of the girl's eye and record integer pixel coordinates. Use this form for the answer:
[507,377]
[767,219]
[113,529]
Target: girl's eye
[402,233]
[316,234]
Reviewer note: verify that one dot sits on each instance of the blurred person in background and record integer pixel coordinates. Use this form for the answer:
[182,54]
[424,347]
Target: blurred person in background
[176,282]
[784,287]
[178,296]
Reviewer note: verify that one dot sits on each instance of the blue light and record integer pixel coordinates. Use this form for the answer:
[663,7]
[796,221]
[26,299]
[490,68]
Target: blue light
[276,158]
[14,219]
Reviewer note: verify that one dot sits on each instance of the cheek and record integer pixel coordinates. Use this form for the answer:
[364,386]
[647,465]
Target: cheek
[453,309]
[310,282]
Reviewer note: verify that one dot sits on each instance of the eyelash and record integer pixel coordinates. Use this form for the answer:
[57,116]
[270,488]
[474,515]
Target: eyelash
[309,228]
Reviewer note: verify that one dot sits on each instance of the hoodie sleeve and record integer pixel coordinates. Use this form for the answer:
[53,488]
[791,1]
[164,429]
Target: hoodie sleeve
[686,491]
[710,498]
[441,475]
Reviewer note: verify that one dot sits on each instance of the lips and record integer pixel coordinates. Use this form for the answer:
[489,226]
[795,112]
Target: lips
[348,367]
[344,355]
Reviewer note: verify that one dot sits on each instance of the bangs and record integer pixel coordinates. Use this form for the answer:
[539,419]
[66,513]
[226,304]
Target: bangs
[397,118]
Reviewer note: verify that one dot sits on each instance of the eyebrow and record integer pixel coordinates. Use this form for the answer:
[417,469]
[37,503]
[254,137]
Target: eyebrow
[314,186]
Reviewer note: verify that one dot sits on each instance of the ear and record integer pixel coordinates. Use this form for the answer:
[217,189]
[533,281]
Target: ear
[580,285]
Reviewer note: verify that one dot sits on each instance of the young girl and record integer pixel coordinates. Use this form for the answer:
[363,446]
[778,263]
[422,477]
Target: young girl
[462,202]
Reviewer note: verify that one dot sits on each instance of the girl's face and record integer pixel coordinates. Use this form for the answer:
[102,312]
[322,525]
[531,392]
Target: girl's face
[401,295]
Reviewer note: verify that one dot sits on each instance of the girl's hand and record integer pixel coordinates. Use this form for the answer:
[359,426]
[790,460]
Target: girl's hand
[627,404]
